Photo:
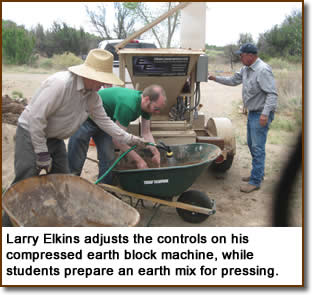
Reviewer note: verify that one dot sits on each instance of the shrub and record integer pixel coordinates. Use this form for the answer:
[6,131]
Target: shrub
[17,94]
[46,64]
[65,60]
[279,63]
[33,60]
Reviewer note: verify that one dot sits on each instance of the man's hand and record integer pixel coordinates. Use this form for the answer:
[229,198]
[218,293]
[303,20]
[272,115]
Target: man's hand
[156,160]
[44,161]
[156,156]
[141,164]
[211,77]
[263,120]
[138,141]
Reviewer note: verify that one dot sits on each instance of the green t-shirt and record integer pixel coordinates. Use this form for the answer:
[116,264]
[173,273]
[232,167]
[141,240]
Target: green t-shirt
[123,104]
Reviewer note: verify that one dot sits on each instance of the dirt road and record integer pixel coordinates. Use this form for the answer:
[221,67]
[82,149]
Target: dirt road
[233,208]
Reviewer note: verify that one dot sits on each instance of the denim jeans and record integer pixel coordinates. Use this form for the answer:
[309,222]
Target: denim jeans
[256,139]
[78,146]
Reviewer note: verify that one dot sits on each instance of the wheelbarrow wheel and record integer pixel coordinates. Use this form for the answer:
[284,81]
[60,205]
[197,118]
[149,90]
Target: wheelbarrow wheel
[195,198]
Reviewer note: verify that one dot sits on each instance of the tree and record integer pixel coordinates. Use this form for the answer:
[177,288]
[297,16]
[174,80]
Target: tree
[125,23]
[62,38]
[245,38]
[164,31]
[229,53]
[17,43]
[229,50]
[128,14]
[283,40]
[119,30]
[40,38]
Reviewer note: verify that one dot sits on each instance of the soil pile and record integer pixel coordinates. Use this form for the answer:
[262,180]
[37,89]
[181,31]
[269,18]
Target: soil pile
[8,143]
[11,109]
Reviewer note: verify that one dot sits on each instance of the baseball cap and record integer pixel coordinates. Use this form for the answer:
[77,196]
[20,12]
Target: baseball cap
[247,48]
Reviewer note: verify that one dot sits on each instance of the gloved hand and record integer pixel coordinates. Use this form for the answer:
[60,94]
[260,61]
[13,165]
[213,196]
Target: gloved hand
[138,141]
[44,161]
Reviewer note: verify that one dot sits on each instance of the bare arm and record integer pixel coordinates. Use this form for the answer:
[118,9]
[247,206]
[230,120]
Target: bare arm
[147,134]
[133,155]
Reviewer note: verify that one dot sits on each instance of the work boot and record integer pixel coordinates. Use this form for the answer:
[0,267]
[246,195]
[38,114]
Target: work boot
[246,178]
[248,188]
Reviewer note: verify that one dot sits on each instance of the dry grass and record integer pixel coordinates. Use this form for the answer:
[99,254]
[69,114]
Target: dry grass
[65,60]
[44,65]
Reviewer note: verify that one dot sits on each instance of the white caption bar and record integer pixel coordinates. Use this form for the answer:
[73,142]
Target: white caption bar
[152,256]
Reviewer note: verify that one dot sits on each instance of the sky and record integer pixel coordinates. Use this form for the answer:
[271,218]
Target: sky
[224,20]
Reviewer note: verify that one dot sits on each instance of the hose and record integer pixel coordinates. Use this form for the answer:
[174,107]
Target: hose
[115,163]
[197,98]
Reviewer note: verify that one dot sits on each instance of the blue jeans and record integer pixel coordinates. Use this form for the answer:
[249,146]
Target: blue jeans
[256,140]
[78,148]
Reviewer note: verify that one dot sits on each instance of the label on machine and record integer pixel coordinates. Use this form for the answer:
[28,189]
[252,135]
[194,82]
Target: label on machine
[160,65]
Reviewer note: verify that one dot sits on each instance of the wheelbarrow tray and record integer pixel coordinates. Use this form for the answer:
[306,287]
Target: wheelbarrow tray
[65,200]
[175,175]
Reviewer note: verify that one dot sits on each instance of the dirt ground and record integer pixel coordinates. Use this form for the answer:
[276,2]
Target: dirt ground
[233,208]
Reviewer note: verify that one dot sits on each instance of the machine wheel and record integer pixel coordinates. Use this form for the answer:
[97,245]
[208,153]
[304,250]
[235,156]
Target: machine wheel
[195,198]
[225,165]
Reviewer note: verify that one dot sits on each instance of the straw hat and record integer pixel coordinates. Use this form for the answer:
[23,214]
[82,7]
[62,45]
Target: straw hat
[98,66]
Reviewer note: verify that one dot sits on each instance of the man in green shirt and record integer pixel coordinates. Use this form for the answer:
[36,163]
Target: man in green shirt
[122,105]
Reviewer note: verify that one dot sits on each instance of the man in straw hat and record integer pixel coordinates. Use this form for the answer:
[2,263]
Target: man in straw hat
[122,105]
[62,103]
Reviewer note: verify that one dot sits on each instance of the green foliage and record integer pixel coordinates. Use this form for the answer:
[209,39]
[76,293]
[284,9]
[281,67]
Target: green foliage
[283,124]
[279,63]
[17,94]
[17,43]
[20,46]
[62,38]
[130,5]
[284,40]
[214,47]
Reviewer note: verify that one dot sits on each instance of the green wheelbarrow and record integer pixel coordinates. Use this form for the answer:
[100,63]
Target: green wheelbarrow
[175,175]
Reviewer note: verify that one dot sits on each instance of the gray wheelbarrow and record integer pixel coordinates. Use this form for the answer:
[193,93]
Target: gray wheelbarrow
[57,200]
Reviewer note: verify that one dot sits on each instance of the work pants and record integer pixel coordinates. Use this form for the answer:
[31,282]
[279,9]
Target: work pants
[78,148]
